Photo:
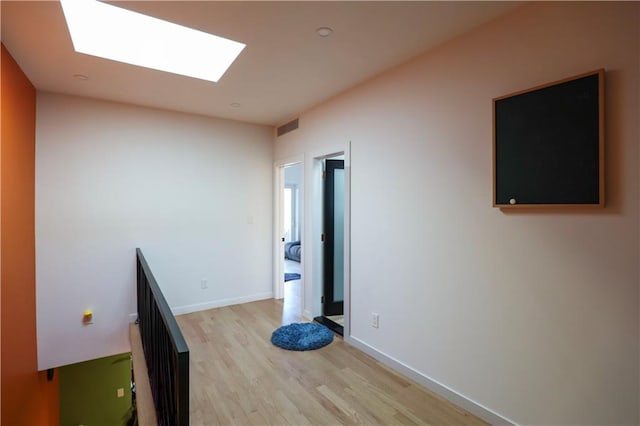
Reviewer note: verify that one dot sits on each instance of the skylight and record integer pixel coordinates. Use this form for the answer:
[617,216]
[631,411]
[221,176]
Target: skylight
[110,32]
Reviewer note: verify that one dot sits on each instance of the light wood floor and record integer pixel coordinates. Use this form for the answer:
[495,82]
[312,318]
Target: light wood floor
[238,377]
[292,302]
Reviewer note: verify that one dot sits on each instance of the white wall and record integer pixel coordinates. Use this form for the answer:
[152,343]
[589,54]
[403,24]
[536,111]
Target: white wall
[193,192]
[531,314]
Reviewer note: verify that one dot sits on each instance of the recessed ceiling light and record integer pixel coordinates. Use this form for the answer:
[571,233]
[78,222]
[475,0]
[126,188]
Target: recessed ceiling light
[110,32]
[235,105]
[324,31]
[80,77]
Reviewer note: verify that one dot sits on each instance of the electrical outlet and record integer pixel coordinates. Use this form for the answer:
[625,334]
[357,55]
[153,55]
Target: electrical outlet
[120,392]
[203,284]
[375,320]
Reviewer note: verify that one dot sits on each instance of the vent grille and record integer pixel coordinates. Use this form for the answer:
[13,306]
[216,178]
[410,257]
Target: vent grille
[289,127]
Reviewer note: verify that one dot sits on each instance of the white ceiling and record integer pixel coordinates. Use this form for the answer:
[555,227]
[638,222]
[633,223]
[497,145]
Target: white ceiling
[285,69]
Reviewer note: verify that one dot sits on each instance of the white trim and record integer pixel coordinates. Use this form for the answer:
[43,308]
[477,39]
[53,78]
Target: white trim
[436,387]
[278,247]
[187,309]
[289,161]
[313,250]
[306,314]
[133,318]
[347,241]
[330,151]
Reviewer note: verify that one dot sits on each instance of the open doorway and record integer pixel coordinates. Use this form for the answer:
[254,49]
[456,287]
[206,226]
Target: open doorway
[288,204]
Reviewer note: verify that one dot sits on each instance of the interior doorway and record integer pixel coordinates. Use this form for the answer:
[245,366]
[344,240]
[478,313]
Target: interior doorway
[288,263]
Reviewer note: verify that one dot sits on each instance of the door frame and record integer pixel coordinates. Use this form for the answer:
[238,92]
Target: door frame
[313,233]
[278,225]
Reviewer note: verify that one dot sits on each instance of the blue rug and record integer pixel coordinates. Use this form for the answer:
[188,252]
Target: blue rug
[304,336]
[290,276]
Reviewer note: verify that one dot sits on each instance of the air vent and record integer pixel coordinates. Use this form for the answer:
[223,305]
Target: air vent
[289,127]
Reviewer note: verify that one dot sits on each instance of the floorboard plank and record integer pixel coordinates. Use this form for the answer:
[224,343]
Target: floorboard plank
[239,377]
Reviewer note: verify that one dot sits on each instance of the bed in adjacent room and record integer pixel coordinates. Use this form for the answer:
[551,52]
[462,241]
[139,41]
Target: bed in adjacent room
[292,251]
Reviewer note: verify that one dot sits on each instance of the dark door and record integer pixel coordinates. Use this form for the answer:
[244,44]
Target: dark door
[334,238]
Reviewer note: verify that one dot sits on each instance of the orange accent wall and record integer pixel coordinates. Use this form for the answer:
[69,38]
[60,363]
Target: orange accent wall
[26,396]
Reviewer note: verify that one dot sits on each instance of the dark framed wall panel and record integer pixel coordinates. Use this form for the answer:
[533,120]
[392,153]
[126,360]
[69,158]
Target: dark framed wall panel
[548,145]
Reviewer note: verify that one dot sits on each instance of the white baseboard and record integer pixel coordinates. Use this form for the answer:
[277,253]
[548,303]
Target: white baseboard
[133,318]
[444,391]
[307,315]
[187,309]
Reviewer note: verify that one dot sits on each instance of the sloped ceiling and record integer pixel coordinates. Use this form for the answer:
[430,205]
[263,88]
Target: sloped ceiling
[285,69]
